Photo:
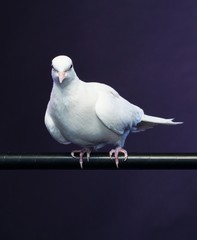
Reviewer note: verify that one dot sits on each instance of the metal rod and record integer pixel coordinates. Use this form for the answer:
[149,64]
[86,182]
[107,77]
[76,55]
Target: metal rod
[98,161]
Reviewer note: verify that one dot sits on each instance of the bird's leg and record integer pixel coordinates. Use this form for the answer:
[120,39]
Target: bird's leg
[81,153]
[116,152]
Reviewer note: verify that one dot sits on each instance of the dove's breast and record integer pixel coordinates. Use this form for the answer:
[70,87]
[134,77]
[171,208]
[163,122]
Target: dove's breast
[74,115]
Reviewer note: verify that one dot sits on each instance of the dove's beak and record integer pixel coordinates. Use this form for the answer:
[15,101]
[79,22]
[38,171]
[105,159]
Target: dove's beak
[61,76]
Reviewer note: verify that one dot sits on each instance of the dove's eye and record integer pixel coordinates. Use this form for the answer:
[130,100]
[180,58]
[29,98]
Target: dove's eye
[70,67]
[54,69]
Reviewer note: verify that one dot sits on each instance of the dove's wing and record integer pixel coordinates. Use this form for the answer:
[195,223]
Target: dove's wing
[115,112]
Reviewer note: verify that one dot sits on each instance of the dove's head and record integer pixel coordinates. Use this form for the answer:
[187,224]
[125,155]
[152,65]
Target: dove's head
[62,69]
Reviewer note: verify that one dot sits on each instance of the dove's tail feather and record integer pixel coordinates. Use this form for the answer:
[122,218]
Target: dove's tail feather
[150,121]
[158,120]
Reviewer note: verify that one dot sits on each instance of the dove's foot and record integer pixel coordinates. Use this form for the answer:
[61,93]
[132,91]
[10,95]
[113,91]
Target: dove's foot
[81,153]
[116,153]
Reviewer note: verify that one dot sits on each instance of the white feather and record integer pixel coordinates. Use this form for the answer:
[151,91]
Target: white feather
[158,120]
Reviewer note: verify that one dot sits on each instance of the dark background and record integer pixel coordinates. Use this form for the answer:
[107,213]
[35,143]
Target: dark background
[147,51]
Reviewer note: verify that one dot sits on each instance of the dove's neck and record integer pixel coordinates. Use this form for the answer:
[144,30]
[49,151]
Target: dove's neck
[66,86]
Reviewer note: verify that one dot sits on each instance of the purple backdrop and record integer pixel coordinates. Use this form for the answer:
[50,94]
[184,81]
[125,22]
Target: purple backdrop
[147,51]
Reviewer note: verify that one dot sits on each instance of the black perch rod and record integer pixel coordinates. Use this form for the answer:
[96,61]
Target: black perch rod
[97,161]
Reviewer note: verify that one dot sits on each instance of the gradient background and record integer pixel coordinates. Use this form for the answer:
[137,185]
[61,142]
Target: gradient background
[147,51]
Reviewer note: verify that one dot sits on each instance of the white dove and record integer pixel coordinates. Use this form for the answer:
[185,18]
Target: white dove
[92,114]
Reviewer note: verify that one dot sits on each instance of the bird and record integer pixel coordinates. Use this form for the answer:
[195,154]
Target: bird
[92,114]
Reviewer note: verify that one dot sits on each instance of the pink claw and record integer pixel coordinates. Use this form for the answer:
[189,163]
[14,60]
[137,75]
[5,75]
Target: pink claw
[81,153]
[116,152]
